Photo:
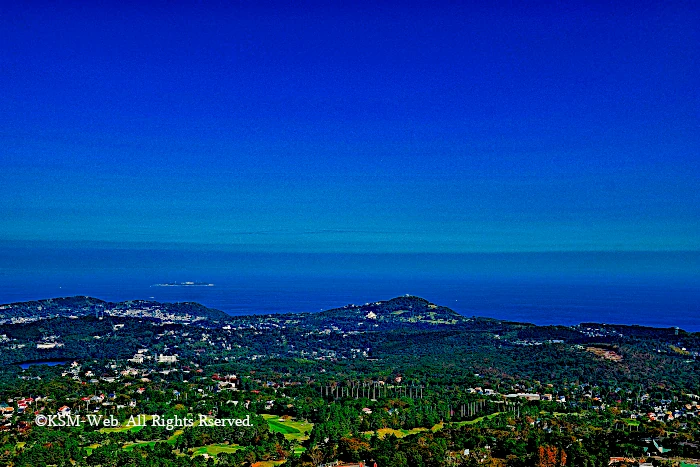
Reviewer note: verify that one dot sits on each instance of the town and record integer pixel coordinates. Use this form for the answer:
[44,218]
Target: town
[339,386]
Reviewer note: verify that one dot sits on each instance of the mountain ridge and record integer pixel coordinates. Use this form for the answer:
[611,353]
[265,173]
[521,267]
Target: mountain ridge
[407,308]
[404,309]
[80,305]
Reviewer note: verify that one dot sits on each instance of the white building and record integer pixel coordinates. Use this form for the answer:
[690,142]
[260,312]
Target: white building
[167,358]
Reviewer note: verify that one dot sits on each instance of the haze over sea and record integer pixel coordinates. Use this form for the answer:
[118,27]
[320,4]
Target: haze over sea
[645,288]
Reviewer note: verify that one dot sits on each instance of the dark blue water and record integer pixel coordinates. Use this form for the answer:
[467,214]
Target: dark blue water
[631,288]
[25,365]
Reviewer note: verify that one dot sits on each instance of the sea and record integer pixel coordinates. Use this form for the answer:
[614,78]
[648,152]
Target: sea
[648,289]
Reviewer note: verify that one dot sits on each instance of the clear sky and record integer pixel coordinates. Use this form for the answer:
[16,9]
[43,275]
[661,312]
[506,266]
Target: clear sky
[361,127]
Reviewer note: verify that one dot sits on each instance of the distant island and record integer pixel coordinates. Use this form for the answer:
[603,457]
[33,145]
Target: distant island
[184,284]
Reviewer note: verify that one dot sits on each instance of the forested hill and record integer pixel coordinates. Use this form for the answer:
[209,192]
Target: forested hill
[87,306]
[51,308]
[406,309]
[401,311]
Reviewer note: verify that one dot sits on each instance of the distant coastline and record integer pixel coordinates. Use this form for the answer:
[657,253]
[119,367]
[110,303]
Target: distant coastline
[552,295]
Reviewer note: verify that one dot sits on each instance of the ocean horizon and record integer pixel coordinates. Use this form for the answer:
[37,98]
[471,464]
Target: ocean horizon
[634,288]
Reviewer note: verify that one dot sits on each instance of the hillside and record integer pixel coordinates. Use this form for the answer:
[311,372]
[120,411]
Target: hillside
[71,307]
[406,309]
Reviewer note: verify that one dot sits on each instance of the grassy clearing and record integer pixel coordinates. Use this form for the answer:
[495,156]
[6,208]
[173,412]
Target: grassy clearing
[476,420]
[438,427]
[214,449]
[382,432]
[291,429]
[91,448]
[132,446]
[171,441]
[279,427]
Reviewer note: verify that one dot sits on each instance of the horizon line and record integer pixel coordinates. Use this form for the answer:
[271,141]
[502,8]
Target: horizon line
[280,249]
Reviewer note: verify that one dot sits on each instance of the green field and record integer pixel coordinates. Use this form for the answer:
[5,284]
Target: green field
[214,449]
[280,427]
[382,432]
[291,429]
[476,420]
[171,440]
[131,446]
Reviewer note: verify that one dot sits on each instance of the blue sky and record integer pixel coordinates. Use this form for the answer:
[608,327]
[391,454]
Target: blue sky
[354,128]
